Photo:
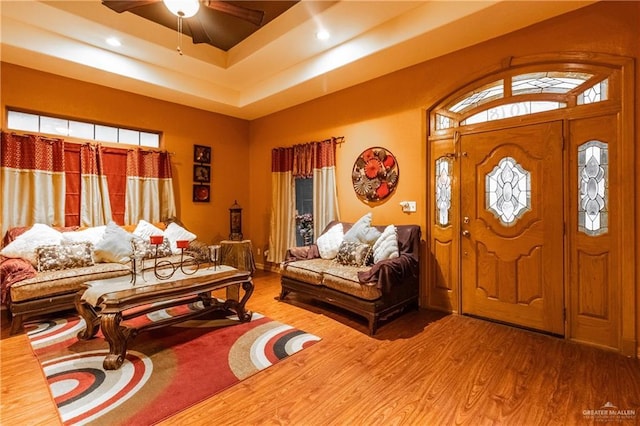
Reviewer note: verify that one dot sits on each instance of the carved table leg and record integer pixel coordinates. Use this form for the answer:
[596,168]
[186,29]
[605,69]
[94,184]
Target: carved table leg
[91,319]
[238,307]
[117,337]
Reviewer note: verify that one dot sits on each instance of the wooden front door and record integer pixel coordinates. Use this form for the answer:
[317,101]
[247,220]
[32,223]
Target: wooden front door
[512,254]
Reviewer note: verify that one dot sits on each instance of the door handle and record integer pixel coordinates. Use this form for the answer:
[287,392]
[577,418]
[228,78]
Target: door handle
[466,233]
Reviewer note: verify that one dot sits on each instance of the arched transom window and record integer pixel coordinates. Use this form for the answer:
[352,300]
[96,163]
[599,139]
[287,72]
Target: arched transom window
[521,94]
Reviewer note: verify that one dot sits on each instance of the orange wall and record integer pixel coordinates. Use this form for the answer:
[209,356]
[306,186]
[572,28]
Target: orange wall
[182,127]
[391,111]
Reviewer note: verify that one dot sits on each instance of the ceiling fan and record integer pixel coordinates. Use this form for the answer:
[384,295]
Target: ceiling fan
[188,10]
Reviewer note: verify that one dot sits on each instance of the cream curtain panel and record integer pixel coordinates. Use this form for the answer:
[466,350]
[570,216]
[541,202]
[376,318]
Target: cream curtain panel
[283,204]
[149,192]
[95,207]
[316,160]
[33,180]
[325,195]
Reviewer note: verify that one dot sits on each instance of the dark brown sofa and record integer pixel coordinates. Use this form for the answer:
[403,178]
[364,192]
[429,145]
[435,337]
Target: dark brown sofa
[374,292]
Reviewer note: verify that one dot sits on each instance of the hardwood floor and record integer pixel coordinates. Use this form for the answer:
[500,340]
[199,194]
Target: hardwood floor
[424,368]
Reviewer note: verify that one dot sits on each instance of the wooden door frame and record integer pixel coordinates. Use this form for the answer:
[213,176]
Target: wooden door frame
[628,217]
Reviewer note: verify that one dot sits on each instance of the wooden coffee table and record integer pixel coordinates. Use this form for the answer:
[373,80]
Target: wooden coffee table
[107,303]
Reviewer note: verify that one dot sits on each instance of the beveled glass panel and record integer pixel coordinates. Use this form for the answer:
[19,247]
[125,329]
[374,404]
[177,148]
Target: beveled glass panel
[508,191]
[443,122]
[593,164]
[444,168]
[596,93]
[478,97]
[512,110]
[547,82]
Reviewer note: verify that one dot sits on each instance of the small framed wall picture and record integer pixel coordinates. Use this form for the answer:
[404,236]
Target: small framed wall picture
[201,193]
[201,173]
[201,154]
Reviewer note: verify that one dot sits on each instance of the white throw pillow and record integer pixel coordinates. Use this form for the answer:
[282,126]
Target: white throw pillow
[386,247]
[362,231]
[115,245]
[175,232]
[329,242]
[91,235]
[25,245]
[145,229]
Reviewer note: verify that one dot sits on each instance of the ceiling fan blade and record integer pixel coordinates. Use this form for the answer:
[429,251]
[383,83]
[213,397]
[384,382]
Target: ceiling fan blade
[198,32]
[251,15]
[125,5]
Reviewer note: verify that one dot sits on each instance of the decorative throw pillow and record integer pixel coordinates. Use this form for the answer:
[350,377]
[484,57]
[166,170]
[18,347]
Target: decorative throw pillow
[175,232]
[362,231]
[147,250]
[115,245]
[64,256]
[329,242]
[25,245]
[386,247]
[352,253]
[145,229]
[92,235]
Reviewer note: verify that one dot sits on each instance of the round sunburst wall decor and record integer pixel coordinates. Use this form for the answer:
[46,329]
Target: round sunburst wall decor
[375,174]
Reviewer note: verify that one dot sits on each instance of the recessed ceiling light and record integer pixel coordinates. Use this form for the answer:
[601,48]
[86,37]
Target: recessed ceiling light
[323,35]
[112,41]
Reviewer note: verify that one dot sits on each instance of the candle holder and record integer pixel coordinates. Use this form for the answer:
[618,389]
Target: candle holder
[164,269]
[137,264]
[214,256]
[186,260]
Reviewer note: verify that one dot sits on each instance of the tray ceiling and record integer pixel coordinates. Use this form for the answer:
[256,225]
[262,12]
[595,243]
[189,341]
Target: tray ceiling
[277,66]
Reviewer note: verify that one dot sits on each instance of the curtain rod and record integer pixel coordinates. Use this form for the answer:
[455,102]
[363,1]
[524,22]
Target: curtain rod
[339,139]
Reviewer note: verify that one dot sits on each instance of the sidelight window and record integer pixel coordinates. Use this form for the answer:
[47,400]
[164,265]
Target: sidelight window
[592,177]
[443,190]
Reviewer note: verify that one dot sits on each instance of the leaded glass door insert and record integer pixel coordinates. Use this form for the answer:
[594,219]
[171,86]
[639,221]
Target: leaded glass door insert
[508,191]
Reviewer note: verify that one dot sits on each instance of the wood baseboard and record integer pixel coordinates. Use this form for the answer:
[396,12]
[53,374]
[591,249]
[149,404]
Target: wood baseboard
[269,267]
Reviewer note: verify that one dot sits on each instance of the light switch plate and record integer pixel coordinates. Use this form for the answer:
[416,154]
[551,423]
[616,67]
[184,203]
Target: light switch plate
[408,206]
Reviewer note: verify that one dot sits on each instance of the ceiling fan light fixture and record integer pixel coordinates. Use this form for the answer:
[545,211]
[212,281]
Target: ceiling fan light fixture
[182,8]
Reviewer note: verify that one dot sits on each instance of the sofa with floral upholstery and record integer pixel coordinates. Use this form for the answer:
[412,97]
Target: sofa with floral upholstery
[372,271]
[42,267]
